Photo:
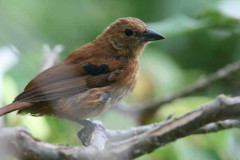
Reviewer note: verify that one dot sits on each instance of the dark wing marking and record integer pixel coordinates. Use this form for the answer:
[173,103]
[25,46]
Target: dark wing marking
[95,70]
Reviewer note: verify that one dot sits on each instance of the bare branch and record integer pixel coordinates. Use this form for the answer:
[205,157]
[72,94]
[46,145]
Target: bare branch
[119,135]
[145,110]
[218,126]
[133,142]
[220,109]
[18,142]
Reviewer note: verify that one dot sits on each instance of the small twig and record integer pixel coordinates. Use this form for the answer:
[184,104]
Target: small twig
[199,85]
[218,126]
[50,56]
[144,110]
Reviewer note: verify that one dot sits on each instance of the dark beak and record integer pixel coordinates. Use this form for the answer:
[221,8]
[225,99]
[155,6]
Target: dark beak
[150,35]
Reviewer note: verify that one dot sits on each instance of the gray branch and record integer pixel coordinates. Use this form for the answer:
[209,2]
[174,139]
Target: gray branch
[147,109]
[221,109]
[217,126]
[222,113]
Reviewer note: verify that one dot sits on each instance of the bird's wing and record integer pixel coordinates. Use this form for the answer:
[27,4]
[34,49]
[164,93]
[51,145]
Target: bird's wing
[65,80]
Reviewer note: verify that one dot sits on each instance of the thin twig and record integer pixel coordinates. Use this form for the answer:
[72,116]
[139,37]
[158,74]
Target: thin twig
[144,110]
[218,126]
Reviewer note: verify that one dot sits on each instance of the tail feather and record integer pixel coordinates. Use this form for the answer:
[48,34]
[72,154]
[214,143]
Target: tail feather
[13,107]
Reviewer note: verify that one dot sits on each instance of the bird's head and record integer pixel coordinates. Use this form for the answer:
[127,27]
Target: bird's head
[128,35]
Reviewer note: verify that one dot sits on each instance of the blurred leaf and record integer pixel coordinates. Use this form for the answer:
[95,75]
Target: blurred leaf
[186,150]
[178,25]
[182,106]
[10,89]
[144,89]
[116,120]
[224,14]
[233,144]
[39,127]
[164,72]
[167,152]
[62,131]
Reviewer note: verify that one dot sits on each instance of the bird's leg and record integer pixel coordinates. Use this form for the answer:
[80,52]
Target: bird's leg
[88,123]
[93,133]
[85,122]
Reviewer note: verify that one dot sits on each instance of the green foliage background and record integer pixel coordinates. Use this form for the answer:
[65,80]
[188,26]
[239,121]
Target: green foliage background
[202,36]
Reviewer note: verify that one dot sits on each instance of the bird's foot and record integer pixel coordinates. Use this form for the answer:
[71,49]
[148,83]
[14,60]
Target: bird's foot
[93,133]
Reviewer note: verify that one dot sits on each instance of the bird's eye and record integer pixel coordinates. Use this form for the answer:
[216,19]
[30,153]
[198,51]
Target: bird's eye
[128,32]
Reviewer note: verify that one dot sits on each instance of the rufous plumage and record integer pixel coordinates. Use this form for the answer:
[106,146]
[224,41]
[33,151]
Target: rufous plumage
[92,78]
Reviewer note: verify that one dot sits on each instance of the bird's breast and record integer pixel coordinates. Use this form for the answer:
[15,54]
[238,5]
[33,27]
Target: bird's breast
[130,75]
[126,81]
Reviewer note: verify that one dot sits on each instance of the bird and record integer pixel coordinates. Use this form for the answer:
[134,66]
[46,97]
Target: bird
[92,78]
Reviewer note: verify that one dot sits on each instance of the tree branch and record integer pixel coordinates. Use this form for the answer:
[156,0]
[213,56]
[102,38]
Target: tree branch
[218,126]
[130,143]
[144,111]
[220,109]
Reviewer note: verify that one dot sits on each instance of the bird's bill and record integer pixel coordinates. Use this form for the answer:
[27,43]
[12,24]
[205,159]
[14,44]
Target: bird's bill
[150,35]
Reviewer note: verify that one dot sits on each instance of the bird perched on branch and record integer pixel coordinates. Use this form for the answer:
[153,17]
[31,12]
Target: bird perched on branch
[92,78]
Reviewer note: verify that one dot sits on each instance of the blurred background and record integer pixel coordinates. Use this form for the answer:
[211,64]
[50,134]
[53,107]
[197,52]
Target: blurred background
[202,36]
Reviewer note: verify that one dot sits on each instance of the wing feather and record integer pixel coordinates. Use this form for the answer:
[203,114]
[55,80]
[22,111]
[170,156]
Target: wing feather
[60,81]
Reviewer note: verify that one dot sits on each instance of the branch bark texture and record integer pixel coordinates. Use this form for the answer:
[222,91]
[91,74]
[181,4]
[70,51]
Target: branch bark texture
[222,113]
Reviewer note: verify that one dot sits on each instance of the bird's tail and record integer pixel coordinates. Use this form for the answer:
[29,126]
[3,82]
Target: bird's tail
[13,107]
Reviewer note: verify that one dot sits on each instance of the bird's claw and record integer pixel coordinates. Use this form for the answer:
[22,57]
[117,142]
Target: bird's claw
[87,134]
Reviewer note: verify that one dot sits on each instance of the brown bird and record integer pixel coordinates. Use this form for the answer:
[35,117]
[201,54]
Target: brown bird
[92,78]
